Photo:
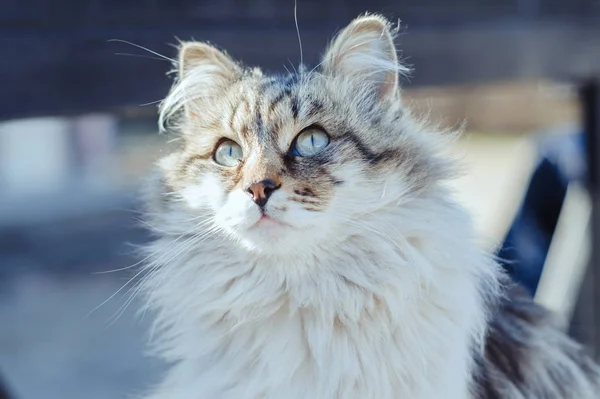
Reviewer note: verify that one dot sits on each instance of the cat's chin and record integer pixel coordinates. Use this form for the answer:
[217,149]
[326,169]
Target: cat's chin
[272,236]
[267,235]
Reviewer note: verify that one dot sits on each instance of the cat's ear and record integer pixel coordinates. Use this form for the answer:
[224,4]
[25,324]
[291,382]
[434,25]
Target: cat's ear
[204,71]
[203,59]
[365,50]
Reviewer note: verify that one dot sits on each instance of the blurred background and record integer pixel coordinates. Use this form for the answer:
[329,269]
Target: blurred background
[78,134]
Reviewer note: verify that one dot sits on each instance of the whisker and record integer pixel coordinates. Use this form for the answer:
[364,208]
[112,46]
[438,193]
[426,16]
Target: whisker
[152,265]
[143,48]
[293,67]
[192,242]
[151,102]
[184,246]
[141,56]
[138,220]
[298,31]
[113,295]
[373,231]
[140,261]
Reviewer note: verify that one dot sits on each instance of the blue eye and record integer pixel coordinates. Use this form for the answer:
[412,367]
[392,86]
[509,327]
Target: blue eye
[310,142]
[229,153]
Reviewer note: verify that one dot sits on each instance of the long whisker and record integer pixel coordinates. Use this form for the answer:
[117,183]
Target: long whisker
[140,261]
[141,56]
[115,294]
[193,241]
[152,102]
[143,48]
[379,233]
[201,224]
[185,247]
[143,270]
[298,31]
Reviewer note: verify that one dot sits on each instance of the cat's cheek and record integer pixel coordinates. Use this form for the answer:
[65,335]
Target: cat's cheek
[302,218]
[359,190]
[238,212]
[208,193]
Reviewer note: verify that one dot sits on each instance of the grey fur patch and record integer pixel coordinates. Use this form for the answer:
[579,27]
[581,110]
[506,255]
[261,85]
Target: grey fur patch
[526,356]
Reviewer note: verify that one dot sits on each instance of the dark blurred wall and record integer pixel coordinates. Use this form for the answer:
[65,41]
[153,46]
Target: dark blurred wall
[55,58]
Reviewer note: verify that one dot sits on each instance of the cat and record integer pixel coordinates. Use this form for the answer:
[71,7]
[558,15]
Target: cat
[308,245]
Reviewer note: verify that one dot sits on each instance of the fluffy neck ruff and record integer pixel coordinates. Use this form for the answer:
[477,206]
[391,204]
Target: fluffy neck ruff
[394,310]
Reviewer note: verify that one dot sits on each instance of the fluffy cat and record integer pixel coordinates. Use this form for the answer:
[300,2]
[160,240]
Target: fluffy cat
[308,246]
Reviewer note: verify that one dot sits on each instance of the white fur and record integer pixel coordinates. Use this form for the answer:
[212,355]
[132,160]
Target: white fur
[388,306]
[377,295]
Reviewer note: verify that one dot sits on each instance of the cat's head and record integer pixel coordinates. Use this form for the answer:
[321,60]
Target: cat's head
[285,163]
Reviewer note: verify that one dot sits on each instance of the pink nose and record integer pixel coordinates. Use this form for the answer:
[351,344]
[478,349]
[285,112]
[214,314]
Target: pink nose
[261,191]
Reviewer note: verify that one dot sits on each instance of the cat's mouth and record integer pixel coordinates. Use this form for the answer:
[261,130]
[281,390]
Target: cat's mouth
[266,221]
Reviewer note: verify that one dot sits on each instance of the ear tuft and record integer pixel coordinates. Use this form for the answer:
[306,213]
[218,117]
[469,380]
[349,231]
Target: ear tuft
[194,55]
[365,50]
[203,72]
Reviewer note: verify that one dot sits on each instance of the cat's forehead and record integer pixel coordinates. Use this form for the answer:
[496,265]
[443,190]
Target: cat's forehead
[268,109]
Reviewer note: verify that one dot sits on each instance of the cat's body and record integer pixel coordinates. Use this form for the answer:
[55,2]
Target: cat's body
[309,248]
[330,324]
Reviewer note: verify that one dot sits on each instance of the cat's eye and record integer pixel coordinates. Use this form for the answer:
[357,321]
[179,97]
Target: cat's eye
[310,142]
[228,153]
